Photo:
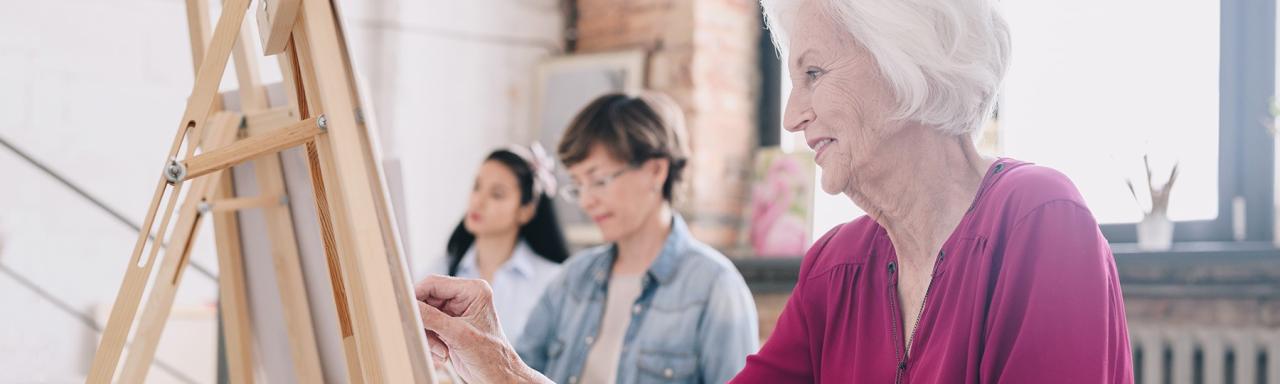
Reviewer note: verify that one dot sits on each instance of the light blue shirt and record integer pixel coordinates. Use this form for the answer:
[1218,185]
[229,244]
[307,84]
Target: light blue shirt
[517,284]
[694,322]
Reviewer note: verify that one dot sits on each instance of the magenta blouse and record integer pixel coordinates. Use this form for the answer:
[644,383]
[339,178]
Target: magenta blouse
[1025,291]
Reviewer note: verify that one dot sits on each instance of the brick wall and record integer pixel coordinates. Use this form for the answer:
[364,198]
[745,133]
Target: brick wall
[703,54]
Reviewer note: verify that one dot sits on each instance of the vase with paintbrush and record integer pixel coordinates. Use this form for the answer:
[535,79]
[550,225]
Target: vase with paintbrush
[1155,231]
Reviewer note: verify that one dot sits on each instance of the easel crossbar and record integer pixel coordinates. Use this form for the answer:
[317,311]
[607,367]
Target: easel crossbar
[255,146]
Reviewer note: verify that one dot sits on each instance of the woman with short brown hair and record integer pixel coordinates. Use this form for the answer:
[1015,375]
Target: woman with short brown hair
[653,302]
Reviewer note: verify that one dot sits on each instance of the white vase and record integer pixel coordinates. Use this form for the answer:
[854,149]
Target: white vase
[1155,232]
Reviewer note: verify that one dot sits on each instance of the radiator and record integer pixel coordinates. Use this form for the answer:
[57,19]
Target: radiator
[1196,355]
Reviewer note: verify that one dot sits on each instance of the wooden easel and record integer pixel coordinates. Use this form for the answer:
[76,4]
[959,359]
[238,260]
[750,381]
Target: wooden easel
[379,324]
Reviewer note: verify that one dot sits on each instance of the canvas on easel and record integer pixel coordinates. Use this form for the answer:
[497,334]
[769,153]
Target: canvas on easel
[319,123]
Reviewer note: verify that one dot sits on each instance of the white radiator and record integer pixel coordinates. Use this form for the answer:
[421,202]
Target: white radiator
[1204,355]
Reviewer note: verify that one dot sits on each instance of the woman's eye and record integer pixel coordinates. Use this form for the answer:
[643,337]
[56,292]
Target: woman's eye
[813,73]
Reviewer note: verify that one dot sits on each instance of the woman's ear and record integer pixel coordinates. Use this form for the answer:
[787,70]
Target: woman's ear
[525,214]
[658,169]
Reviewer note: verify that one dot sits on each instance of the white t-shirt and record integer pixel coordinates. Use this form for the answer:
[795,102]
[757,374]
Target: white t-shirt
[602,361]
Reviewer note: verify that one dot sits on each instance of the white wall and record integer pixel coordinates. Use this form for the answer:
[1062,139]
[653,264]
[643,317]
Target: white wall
[455,81]
[95,90]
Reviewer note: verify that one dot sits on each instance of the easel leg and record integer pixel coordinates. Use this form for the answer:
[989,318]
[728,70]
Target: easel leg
[375,300]
[177,255]
[232,291]
[336,225]
[417,346]
[293,79]
[199,104]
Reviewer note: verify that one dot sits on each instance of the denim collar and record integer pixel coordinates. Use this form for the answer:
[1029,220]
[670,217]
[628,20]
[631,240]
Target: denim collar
[663,268]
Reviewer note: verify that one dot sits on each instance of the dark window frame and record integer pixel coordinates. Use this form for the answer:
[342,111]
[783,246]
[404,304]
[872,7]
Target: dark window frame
[1246,150]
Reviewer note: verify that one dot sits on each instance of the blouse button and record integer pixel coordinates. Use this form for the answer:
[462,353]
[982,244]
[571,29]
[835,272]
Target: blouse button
[590,340]
[999,167]
[668,373]
[892,267]
[636,309]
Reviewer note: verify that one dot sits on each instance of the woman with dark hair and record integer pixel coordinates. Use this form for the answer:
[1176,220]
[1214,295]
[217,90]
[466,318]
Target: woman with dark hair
[510,236]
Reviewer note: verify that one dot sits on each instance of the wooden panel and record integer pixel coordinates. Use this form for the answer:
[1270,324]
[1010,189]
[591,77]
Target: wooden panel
[275,22]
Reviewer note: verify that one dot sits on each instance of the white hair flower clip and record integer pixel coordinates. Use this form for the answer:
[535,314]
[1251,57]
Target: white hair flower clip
[542,165]
[543,169]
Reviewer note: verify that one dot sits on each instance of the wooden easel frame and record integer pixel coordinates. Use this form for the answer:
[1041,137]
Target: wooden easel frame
[379,324]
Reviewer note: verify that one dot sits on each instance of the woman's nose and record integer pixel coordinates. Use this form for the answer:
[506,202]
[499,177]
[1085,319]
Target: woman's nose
[799,113]
[587,200]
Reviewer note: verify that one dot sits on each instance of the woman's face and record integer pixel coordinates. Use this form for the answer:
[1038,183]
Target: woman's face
[616,196]
[494,208]
[838,100]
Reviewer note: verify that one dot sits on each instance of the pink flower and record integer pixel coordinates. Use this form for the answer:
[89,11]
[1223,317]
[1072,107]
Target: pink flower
[774,230]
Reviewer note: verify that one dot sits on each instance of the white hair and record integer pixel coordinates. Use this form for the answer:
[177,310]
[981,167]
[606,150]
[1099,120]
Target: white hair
[944,59]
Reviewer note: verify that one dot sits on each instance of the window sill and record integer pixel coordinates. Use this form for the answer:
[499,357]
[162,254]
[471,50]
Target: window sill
[1196,251]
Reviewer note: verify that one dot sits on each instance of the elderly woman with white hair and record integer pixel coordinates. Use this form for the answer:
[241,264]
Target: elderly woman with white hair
[966,268]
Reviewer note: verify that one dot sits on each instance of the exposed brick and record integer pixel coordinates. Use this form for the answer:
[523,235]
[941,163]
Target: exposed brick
[702,53]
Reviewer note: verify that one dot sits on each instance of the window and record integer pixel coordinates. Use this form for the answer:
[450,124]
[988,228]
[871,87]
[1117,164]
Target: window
[1091,102]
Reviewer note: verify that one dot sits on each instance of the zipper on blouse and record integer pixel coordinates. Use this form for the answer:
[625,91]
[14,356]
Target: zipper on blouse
[893,327]
[915,329]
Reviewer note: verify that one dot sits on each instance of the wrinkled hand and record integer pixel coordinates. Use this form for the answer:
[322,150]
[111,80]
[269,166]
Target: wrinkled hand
[463,328]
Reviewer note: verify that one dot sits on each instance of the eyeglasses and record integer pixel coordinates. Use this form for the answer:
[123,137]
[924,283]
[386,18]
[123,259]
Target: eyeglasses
[573,191]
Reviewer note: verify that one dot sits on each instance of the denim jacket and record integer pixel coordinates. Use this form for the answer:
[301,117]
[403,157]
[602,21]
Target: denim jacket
[694,322]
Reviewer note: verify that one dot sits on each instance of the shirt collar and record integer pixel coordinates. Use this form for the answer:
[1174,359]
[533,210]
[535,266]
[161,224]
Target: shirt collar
[664,267]
[521,261]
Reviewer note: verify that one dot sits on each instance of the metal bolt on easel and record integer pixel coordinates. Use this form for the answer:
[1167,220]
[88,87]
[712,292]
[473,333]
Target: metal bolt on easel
[175,171]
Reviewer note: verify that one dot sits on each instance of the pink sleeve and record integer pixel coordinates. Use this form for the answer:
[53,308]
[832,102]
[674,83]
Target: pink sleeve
[785,356]
[1056,313]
